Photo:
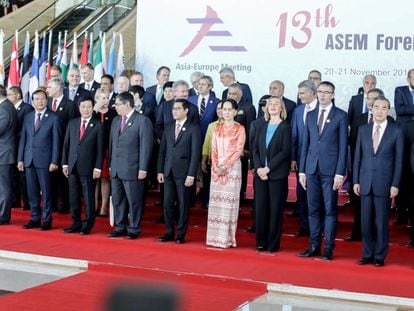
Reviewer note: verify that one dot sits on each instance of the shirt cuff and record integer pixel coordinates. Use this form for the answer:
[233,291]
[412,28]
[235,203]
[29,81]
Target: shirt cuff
[97,169]
[64,166]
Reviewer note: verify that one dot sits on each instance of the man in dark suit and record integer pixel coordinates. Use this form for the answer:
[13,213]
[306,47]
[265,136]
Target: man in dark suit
[66,111]
[245,116]
[130,147]
[205,102]
[82,164]
[358,103]
[15,96]
[227,78]
[73,91]
[38,155]
[107,84]
[163,75]
[277,88]
[194,79]
[377,174]
[89,81]
[9,128]
[136,78]
[143,104]
[404,108]
[307,95]
[322,168]
[178,163]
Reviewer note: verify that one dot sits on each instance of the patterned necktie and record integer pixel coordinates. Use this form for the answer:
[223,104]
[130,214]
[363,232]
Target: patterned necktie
[202,107]
[177,130]
[82,129]
[371,118]
[54,106]
[375,138]
[123,123]
[320,121]
[37,121]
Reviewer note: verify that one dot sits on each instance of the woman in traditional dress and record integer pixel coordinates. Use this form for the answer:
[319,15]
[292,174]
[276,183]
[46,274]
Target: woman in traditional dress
[271,157]
[227,146]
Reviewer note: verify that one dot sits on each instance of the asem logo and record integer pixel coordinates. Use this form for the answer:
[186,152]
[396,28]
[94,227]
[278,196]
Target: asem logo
[207,22]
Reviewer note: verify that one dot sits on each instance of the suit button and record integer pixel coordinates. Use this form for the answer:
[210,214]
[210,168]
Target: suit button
[173,148]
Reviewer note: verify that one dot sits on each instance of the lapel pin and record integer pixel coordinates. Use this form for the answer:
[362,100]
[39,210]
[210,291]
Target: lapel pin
[129,124]
[183,129]
[91,125]
[61,108]
[327,120]
[46,115]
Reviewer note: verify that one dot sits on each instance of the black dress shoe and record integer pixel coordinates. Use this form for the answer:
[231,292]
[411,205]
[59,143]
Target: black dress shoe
[379,262]
[251,229]
[261,248]
[32,224]
[85,231]
[365,261]
[410,243]
[310,252]
[352,239]
[4,222]
[166,238]
[47,225]
[72,229]
[302,233]
[180,241]
[116,234]
[327,254]
[132,236]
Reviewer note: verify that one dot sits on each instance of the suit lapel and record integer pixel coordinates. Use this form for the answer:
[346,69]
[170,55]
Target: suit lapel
[43,120]
[383,139]
[330,117]
[88,129]
[182,130]
[129,123]
[262,141]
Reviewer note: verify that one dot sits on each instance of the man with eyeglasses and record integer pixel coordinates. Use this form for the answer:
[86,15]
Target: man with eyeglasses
[322,168]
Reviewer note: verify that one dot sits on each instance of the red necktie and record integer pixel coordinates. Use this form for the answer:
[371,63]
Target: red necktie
[82,129]
[54,106]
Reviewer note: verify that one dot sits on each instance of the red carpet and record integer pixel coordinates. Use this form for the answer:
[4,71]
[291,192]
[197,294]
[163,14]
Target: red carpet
[208,279]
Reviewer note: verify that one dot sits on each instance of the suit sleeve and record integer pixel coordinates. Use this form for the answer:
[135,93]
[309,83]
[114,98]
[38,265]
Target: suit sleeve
[398,161]
[254,147]
[195,151]
[250,117]
[22,143]
[57,139]
[357,159]
[145,145]
[305,148]
[342,145]
[247,94]
[5,119]
[402,108]
[161,154]
[280,157]
[99,146]
[350,111]
[252,141]
[295,138]
[66,144]
[159,121]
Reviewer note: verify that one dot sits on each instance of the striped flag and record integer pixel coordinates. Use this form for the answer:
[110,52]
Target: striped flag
[24,84]
[49,55]
[59,49]
[98,62]
[104,62]
[111,59]
[43,62]
[1,57]
[90,54]
[74,57]
[64,61]
[34,77]
[14,72]
[120,62]
[84,55]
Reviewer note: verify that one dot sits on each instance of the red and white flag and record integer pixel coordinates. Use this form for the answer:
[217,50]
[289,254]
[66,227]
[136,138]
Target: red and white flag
[14,72]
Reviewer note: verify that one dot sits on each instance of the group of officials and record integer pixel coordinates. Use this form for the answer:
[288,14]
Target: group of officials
[61,147]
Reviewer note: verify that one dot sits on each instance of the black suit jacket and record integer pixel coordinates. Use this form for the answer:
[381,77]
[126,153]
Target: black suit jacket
[66,111]
[245,116]
[94,88]
[247,93]
[80,93]
[86,154]
[355,108]
[22,110]
[112,100]
[9,128]
[277,153]
[180,157]
[148,106]
[404,106]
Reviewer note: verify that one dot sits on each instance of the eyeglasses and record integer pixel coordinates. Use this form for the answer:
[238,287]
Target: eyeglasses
[177,108]
[325,92]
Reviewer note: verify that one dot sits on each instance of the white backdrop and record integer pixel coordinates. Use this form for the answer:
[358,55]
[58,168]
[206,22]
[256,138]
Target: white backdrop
[266,40]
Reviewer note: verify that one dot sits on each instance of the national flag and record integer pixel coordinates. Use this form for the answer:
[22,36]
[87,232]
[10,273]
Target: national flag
[34,77]
[25,81]
[49,56]
[14,72]
[1,57]
[104,62]
[84,55]
[90,53]
[111,59]
[43,62]
[120,62]
[74,57]
[98,62]
[59,49]
[64,61]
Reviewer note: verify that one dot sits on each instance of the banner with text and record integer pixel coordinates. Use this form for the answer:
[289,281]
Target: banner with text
[266,40]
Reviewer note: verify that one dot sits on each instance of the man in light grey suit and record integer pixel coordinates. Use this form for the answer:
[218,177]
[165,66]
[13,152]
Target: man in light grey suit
[130,147]
[8,137]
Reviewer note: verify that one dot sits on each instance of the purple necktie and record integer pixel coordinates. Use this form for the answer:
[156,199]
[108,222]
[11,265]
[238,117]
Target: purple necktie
[37,121]
[123,123]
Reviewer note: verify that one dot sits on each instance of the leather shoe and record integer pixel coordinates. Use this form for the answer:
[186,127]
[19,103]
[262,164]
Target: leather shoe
[352,239]
[4,222]
[165,238]
[251,229]
[85,231]
[410,243]
[47,225]
[71,229]
[365,261]
[116,234]
[180,241]
[32,224]
[132,236]
[261,249]
[302,233]
[379,262]
[310,252]
[327,254]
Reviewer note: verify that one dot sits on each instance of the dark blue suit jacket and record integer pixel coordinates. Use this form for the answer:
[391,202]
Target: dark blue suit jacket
[40,148]
[94,88]
[247,93]
[210,114]
[80,93]
[381,170]
[149,104]
[404,106]
[9,128]
[298,127]
[326,153]
[355,108]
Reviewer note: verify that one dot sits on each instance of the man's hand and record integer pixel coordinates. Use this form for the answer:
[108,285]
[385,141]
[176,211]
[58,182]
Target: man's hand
[160,178]
[357,189]
[53,167]
[393,192]
[293,166]
[302,181]
[96,174]
[337,182]
[142,175]
[189,181]
[65,171]
[20,166]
